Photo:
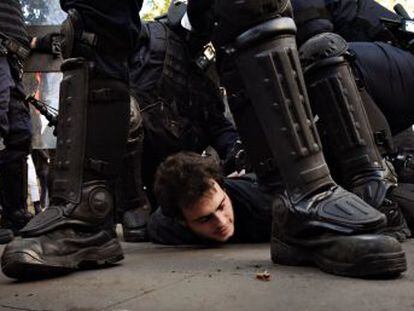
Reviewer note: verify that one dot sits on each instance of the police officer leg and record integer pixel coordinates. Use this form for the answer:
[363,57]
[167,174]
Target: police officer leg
[132,202]
[387,73]
[77,229]
[16,130]
[338,102]
[313,205]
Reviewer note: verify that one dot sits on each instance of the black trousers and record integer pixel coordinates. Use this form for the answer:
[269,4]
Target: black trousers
[15,124]
[388,74]
[117,25]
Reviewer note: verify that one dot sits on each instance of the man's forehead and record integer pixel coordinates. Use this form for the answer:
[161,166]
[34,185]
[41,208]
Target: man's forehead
[207,204]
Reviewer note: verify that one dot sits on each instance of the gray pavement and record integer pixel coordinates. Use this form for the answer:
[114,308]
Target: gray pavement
[155,277]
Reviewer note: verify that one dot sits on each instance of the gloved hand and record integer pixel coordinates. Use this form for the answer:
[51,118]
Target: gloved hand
[236,159]
[49,43]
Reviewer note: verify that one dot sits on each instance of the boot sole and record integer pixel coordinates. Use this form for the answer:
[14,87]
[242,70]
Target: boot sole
[28,265]
[135,237]
[385,265]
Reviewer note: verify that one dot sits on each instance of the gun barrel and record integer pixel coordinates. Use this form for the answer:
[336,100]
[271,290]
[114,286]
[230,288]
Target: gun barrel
[42,108]
[400,10]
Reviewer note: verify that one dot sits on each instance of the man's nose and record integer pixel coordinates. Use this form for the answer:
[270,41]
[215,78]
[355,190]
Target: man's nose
[221,218]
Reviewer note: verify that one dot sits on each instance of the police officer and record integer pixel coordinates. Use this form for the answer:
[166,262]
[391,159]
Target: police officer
[181,106]
[315,220]
[359,22]
[384,71]
[15,125]
[92,131]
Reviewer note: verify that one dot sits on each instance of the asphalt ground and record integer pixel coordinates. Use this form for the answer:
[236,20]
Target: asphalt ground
[154,277]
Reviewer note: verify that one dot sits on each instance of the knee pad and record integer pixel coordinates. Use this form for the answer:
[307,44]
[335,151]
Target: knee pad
[322,47]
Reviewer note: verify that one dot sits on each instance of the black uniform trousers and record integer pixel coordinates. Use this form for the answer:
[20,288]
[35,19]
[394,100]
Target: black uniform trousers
[15,125]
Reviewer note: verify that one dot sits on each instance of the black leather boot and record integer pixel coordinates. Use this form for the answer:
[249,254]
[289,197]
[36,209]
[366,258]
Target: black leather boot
[315,220]
[337,100]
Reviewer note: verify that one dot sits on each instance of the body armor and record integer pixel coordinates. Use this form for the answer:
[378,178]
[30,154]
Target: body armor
[181,106]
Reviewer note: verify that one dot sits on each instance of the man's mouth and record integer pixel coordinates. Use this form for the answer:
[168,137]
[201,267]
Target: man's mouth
[223,231]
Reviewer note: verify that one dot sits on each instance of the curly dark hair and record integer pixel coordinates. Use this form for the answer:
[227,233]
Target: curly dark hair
[182,179]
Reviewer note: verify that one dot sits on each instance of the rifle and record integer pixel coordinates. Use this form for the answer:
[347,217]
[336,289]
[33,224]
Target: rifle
[50,113]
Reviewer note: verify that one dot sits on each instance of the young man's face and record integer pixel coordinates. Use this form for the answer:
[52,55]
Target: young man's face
[212,216]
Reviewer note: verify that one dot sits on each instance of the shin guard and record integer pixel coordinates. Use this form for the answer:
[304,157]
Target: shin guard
[337,100]
[267,60]
[92,132]
[273,78]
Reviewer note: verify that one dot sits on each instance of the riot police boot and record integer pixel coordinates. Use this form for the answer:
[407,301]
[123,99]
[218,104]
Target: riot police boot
[134,223]
[131,199]
[315,220]
[77,231]
[13,195]
[338,102]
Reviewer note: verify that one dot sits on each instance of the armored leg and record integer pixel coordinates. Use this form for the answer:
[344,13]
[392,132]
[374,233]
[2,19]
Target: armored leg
[77,229]
[338,102]
[15,129]
[132,202]
[315,220]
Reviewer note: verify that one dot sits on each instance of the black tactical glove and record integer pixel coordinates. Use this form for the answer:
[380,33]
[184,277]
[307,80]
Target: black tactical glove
[236,159]
[49,43]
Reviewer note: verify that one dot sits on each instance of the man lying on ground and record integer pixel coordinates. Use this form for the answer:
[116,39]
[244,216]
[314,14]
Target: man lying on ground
[200,206]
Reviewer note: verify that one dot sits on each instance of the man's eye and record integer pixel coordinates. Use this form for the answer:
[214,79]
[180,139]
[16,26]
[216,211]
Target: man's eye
[221,207]
[204,220]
